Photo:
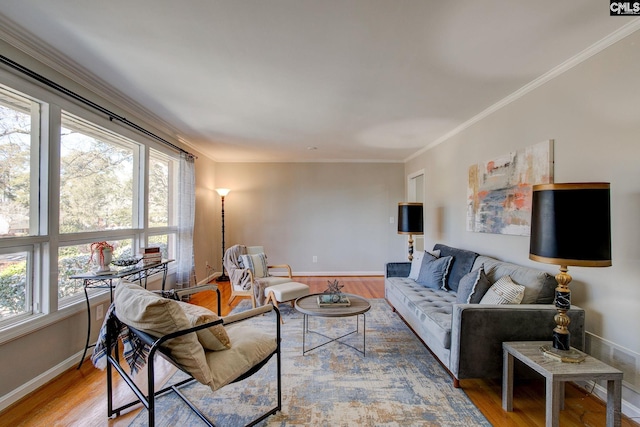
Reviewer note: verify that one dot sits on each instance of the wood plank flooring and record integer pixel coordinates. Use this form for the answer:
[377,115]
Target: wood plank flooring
[78,397]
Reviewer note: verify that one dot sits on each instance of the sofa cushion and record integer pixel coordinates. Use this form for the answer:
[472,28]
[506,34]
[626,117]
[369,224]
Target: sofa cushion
[432,306]
[540,286]
[504,291]
[462,264]
[472,287]
[434,271]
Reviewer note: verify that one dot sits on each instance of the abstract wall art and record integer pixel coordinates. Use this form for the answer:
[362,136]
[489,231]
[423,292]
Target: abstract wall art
[500,191]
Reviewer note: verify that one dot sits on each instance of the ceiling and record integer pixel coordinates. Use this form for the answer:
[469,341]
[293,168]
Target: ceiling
[303,80]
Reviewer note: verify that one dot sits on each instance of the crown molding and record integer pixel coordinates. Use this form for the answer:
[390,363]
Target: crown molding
[35,48]
[567,65]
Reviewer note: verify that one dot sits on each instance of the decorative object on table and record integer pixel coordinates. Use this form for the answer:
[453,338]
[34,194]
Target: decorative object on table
[570,225]
[104,253]
[410,222]
[151,255]
[333,296]
[126,262]
[500,190]
[333,300]
[223,192]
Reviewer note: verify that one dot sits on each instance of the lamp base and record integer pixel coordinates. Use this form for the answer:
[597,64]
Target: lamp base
[222,278]
[569,356]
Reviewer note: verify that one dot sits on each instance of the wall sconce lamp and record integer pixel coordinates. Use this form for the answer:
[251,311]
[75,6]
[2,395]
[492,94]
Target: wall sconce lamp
[223,192]
[410,222]
[570,225]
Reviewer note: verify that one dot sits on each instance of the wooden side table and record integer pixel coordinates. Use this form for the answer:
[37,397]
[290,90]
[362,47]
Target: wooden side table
[556,373]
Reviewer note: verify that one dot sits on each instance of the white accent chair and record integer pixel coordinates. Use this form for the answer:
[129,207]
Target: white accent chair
[250,281]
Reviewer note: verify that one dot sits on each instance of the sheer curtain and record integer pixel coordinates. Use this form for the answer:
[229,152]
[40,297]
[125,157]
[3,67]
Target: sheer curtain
[185,276]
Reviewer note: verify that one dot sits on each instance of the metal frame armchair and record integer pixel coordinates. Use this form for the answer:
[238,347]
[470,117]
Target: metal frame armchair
[171,346]
[243,280]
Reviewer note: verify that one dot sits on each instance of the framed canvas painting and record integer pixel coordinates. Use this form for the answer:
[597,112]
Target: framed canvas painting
[500,190]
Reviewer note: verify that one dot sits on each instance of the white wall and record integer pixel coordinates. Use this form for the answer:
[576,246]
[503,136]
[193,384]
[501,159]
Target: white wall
[338,212]
[593,113]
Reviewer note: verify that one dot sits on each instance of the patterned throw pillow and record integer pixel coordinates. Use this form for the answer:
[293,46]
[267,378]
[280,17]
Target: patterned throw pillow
[257,263]
[473,286]
[433,272]
[504,291]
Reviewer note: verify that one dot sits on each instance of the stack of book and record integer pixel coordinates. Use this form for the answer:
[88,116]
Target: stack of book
[151,256]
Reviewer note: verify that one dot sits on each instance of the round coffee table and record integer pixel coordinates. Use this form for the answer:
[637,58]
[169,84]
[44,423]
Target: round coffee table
[308,306]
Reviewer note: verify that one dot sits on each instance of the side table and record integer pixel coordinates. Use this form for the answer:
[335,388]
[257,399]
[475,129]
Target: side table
[556,373]
[105,281]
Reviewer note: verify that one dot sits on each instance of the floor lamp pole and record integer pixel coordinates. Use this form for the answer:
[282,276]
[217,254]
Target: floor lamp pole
[223,192]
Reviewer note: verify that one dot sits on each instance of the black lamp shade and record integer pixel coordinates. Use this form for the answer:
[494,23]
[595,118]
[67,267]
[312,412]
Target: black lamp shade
[410,218]
[571,224]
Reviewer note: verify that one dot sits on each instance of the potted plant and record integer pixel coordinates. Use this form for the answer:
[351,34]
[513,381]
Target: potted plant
[105,253]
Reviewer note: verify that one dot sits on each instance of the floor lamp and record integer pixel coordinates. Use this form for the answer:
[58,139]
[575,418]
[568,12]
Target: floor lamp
[410,222]
[223,192]
[570,225]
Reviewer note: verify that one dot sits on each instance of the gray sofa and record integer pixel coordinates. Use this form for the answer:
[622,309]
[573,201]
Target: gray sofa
[467,338]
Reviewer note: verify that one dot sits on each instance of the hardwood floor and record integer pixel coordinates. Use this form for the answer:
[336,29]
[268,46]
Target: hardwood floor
[78,397]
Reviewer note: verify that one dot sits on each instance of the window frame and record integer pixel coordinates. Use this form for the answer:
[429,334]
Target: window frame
[45,308]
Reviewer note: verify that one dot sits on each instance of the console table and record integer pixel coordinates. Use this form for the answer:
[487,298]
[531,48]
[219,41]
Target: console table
[556,373]
[105,281]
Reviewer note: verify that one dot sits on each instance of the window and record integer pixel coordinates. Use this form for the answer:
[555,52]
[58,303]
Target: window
[47,225]
[96,178]
[19,147]
[162,201]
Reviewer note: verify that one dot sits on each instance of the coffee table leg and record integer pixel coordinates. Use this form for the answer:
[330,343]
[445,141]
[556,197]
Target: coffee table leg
[305,328]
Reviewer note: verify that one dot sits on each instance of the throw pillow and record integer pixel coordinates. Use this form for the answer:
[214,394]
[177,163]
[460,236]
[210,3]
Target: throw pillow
[213,338]
[416,263]
[257,263]
[472,287]
[434,271]
[504,291]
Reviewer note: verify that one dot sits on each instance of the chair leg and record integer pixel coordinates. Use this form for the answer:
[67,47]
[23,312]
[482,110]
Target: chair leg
[271,298]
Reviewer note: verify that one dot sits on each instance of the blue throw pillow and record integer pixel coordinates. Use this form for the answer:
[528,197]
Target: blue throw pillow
[472,287]
[434,271]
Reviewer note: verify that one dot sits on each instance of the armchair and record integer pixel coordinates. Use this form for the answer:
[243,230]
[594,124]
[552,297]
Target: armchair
[249,273]
[220,352]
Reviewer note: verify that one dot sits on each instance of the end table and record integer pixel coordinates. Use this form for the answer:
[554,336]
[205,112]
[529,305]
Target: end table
[556,373]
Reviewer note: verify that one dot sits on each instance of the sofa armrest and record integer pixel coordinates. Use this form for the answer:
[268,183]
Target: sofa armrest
[398,269]
[478,331]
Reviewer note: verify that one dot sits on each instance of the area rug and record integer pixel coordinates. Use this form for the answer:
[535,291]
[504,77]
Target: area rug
[396,383]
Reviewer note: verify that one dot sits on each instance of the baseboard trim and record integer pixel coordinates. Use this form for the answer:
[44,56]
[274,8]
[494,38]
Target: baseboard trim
[37,382]
[338,273]
[599,391]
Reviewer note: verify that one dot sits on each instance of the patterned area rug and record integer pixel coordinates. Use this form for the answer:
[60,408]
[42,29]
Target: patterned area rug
[397,383]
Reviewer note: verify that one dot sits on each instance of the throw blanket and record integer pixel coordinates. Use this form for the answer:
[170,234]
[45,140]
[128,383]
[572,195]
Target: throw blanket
[135,351]
[239,276]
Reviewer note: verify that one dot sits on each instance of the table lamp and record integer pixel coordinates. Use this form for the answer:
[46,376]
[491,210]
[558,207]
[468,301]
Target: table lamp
[570,225]
[410,222]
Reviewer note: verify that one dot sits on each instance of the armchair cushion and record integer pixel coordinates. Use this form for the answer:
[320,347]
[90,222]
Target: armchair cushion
[155,315]
[250,347]
[257,263]
[213,338]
